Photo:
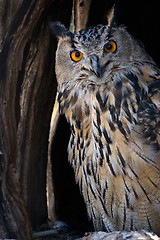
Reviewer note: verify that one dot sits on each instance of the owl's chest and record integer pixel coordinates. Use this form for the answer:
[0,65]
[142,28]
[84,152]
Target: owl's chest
[96,137]
[103,130]
[112,163]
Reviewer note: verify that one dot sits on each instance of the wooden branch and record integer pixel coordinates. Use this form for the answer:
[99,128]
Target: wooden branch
[121,235]
[80,14]
[50,187]
[46,233]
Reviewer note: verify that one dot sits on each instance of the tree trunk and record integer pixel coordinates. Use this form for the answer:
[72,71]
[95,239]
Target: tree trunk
[27,92]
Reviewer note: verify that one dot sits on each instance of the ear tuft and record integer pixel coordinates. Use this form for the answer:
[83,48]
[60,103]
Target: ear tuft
[59,29]
[111,17]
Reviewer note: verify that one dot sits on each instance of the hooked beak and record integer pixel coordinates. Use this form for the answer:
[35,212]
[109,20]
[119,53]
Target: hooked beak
[95,65]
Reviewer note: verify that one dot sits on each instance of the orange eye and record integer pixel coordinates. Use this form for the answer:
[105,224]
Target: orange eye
[110,46]
[76,55]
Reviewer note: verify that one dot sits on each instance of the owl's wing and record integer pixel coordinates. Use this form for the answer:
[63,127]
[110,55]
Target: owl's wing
[149,107]
[154,86]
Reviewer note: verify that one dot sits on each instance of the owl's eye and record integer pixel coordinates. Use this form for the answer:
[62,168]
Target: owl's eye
[110,46]
[76,55]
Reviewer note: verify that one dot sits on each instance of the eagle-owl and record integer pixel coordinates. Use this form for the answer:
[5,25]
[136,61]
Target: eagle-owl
[108,89]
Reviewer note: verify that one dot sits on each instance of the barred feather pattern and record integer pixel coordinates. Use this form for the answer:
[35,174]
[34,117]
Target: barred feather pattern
[114,146]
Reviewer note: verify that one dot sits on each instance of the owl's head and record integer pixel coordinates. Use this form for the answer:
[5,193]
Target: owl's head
[93,54]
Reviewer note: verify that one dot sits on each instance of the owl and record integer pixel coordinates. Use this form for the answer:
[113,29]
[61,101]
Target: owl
[109,92]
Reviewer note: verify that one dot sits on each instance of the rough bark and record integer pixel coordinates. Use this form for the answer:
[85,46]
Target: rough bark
[27,92]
